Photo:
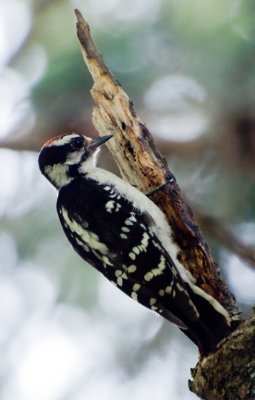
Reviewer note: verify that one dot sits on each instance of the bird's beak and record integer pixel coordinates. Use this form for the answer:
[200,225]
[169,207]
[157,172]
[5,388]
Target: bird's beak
[95,143]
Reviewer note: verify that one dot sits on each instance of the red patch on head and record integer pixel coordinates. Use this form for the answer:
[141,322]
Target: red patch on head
[52,140]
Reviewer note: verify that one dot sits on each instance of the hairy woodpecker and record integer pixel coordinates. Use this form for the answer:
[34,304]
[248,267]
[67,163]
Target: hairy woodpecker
[124,235]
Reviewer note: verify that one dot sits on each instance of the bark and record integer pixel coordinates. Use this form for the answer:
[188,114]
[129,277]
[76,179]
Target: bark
[229,373]
[142,165]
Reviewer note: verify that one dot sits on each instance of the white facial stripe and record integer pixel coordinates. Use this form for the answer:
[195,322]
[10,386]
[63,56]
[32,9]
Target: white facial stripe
[58,174]
[62,140]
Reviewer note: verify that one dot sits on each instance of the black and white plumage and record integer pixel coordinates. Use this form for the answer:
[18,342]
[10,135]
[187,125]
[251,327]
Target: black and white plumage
[125,236]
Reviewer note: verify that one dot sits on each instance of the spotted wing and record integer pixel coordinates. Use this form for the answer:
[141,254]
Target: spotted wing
[127,251]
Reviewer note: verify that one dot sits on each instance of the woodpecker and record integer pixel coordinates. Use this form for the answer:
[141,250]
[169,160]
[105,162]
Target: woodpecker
[119,231]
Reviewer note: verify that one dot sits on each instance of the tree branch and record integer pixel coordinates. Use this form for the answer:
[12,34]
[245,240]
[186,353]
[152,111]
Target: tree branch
[229,373]
[143,166]
[223,235]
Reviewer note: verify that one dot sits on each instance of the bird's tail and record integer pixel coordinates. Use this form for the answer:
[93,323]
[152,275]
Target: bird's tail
[213,325]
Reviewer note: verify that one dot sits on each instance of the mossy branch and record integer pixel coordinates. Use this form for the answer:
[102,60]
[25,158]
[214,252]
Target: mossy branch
[229,373]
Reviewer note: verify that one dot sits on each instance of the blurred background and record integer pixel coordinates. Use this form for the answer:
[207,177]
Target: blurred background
[189,67]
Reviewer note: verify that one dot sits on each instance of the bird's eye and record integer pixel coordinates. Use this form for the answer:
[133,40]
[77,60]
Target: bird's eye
[76,143]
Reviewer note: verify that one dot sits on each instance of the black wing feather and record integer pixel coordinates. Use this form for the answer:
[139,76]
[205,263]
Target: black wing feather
[86,201]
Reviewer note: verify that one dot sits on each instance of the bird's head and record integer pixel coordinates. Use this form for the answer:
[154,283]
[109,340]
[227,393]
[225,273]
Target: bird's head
[62,157]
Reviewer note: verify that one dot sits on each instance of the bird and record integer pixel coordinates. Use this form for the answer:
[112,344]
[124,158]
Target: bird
[120,232]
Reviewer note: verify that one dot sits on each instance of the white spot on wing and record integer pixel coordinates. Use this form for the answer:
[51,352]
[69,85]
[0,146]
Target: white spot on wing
[131,269]
[145,241]
[119,281]
[118,207]
[132,256]
[136,250]
[152,301]
[134,296]
[127,222]
[148,276]
[121,275]
[109,206]
[168,289]
[136,287]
